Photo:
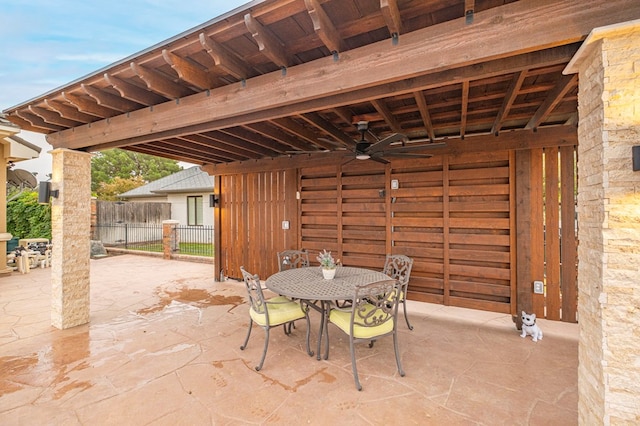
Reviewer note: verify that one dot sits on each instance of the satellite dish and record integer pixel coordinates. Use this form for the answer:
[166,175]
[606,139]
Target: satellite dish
[21,179]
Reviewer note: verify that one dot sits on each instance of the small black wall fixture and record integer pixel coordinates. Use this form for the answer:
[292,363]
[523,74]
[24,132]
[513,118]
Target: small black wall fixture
[636,157]
[213,200]
[45,192]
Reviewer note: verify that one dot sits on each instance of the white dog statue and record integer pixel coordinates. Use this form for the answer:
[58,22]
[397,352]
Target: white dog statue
[530,327]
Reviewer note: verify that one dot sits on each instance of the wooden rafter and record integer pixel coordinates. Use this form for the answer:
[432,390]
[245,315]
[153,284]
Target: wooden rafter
[237,145]
[188,72]
[277,134]
[464,107]
[253,138]
[391,14]
[268,45]
[87,106]
[316,120]
[510,97]
[566,83]
[386,113]
[52,117]
[323,26]
[37,121]
[224,59]
[132,92]
[220,150]
[110,101]
[159,84]
[421,102]
[300,131]
[69,112]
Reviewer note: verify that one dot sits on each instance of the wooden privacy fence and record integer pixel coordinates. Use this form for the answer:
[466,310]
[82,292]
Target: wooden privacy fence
[455,215]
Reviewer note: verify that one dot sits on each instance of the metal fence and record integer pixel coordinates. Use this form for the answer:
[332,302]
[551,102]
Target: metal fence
[189,240]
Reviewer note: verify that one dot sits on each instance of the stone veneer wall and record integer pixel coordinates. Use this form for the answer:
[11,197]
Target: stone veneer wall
[609,228]
[70,229]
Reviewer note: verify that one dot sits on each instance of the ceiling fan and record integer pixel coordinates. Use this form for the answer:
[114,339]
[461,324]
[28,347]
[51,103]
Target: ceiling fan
[365,150]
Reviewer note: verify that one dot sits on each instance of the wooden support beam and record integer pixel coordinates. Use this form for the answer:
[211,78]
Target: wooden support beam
[132,92]
[257,139]
[237,145]
[421,101]
[52,117]
[509,98]
[316,120]
[159,84]
[269,46]
[464,108]
[391,14]
[301,132]
[566,83]
[69,112]
[36,121]
[219,150]
[386,113]
[323,26]
[87,106]
[224,59]
[110,101]
[189,72]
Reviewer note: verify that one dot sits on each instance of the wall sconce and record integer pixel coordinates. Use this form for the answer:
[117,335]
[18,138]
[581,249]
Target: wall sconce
[635,154]
[45,192]
[214,200]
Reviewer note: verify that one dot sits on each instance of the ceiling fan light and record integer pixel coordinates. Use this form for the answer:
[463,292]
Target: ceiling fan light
[362,156]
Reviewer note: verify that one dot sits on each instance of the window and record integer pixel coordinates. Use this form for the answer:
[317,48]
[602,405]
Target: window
[194,210]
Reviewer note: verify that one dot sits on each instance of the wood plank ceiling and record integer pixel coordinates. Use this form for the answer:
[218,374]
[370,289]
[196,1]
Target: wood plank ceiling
[230,54]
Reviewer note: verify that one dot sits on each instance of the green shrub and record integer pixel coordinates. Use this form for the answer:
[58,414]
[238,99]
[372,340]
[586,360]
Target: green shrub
[28,219]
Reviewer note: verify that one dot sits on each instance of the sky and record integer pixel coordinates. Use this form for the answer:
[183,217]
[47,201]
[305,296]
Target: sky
[46,44]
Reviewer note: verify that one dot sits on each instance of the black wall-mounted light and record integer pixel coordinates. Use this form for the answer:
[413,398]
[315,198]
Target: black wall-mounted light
[213,200]
[635,153]
[45,193]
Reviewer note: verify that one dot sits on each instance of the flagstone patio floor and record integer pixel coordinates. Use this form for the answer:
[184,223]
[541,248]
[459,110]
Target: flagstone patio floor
[163,348]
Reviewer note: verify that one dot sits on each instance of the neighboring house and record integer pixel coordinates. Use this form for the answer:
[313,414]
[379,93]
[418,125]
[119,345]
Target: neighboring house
[188,192]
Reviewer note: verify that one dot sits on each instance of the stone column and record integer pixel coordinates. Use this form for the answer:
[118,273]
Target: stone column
[170,238]
[70,229]
[609,225]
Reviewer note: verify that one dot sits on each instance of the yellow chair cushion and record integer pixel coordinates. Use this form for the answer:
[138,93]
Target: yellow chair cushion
[281,310]
[342,319]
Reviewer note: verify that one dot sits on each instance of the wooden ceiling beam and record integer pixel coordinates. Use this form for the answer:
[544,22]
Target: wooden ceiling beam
[268,44]
[320,123]
[464,107]
[224,59]
[254,138]
[189,72]
[36,121]
[302,132]
[87,106]
[566,83]
[510,97]
[52,117]
[69,112]
[160,84]
[388,116]
[221,150]
[391,14]
[24,124]
[110,101]
[277,134]
[204,153]
[174,154]
[324,27]
[239,146]
[421,102]
[132,92]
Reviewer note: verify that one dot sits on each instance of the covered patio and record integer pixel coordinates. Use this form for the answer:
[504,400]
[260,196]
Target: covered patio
[163,343]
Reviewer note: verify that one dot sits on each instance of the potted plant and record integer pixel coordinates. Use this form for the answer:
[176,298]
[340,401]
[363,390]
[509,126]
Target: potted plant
[328,264]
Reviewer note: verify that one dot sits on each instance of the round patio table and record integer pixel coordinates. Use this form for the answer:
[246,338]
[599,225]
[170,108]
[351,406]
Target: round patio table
[308,284]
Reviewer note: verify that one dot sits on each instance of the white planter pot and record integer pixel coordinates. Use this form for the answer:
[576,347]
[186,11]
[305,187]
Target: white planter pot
[328,274]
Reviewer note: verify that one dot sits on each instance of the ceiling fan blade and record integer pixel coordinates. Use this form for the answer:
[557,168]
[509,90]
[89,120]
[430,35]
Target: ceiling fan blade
[384,143]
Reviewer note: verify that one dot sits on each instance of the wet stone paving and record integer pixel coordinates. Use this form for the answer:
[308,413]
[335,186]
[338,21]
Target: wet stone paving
[163,347]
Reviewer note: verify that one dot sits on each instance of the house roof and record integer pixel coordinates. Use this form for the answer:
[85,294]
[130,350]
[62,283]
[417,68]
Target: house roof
[275,78]
[188,180]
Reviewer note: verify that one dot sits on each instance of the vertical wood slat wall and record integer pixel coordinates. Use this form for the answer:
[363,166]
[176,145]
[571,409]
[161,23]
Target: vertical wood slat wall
[455,215]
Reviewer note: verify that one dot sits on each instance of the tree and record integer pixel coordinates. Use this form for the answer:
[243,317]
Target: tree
[112,163]
[108,191]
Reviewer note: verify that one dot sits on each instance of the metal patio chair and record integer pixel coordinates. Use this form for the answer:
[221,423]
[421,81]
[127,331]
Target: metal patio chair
[289,259]
[271,313]
[398,266]
[372,315]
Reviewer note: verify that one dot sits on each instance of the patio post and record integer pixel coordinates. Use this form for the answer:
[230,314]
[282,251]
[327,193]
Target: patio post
[608,216]
[70,229]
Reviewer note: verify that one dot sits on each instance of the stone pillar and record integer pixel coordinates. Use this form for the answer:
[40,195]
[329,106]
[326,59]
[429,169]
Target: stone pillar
[609,225]
[70,229]
[170,238]
[4,236]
